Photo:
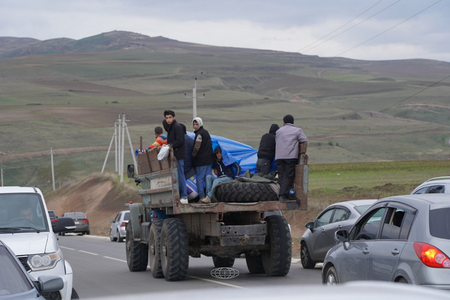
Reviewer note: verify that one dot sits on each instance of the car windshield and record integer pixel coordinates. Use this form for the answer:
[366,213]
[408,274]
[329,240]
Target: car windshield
[362,208]
[12,278]
[22,212]
[440,223]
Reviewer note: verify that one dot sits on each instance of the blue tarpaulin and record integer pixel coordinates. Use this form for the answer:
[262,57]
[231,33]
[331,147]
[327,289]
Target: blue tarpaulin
[245,155]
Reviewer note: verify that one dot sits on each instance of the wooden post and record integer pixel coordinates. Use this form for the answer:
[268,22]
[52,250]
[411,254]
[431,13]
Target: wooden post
[301,177]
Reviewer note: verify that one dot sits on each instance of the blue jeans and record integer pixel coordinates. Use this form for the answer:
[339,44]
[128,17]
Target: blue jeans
[201,172]
[212,181]
[181,179]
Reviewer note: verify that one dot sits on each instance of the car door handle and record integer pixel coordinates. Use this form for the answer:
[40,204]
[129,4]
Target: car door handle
[395,251]
[365,251]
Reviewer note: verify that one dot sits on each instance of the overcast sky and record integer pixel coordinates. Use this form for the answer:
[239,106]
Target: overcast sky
[359,29]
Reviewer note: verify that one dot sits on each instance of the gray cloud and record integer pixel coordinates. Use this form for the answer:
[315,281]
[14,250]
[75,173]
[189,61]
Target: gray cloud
[285,25]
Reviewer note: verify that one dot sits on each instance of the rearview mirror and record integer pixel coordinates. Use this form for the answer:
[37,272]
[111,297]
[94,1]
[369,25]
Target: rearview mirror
[130,171]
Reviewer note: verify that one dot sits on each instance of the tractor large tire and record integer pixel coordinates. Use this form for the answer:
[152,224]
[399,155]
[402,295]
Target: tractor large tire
[277,260]
[174,249]
[154,248]
[137,253]
[254,263]
[223,262]
[245,192]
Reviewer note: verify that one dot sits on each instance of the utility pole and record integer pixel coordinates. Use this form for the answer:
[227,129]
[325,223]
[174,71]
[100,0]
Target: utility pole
[194,99]
[120,129]
[1,172]
[53,169]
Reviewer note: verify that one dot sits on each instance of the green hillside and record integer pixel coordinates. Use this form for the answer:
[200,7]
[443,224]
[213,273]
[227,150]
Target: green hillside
[68,94]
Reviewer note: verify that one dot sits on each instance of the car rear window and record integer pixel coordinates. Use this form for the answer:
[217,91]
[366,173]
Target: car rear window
[440,223]
[361,208]
[126,217]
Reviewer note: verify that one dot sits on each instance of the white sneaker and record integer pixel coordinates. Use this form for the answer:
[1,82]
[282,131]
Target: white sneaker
[205,200]
[184,201]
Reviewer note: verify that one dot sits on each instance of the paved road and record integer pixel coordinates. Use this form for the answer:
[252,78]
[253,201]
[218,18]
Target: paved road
[100,269]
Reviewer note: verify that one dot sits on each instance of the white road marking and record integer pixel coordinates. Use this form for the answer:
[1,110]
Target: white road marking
[88,252]
[121,260]
[66,248]
[219,282]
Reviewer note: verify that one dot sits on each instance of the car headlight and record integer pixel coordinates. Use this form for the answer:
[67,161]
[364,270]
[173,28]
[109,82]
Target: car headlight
[38,262]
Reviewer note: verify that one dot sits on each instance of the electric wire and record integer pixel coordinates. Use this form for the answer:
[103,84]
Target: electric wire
[340,26]
[380,11]
[388,29]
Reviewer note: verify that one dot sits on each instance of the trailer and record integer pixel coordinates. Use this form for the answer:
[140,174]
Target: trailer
[163,232]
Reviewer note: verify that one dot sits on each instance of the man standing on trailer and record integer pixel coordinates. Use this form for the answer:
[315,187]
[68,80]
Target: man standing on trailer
[287,139]
[175,138]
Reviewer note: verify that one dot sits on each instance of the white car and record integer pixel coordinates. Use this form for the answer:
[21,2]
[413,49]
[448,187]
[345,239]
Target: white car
[433,186]
[117,231]
[26,228]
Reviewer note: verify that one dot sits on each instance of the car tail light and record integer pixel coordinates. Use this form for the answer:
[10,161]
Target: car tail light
[85,221]
[123,224]
[431,256]
[54,221]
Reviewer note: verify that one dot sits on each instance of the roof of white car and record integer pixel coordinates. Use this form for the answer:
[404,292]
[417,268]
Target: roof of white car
[17,189]
[357,202]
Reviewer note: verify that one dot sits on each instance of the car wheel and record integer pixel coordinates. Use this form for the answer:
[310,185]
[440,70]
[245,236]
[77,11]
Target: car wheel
[88,232]
[305,257]
[74,294]
[137,253]
[331,277]
[254,263]
[277,259]
[111,237]
[119,238]
[174,249]
[402,280]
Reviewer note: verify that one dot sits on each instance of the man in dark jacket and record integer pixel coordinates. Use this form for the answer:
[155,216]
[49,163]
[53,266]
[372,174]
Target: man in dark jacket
[175,138]
[202,155]
[286,155]
[266,151]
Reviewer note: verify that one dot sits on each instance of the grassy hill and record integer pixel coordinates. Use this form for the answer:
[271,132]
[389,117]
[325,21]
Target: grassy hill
[66,94]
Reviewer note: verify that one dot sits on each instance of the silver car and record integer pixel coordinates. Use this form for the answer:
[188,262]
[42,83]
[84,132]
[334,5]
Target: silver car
[117,231]
[435,185]
[319,237]
[399,239]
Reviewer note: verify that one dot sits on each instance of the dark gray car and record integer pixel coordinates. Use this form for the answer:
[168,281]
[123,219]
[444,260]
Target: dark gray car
[319,237]
[400,239]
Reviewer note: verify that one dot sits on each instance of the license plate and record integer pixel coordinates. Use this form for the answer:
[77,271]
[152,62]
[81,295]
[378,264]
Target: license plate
[76,223]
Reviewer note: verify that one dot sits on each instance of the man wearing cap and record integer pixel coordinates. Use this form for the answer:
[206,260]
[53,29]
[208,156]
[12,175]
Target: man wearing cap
[202,155]
[287,139]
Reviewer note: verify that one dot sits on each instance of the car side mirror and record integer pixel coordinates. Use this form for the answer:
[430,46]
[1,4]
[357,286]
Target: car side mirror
[64,224]
[310,225]
[130,171]
[47,283]
[341,236]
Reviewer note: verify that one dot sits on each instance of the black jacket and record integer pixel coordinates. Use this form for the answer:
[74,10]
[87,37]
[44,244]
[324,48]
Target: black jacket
[204,155]
[175,137]
[267,145]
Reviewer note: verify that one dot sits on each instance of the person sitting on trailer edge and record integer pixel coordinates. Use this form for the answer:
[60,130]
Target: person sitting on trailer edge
[223,173]
[161,138]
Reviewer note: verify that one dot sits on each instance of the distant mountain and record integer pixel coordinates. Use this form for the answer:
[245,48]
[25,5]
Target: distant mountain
[104,42]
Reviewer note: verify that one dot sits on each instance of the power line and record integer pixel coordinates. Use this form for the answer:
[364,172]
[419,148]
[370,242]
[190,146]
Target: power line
[340,26]
[388,29]
[426,88]
[353,26]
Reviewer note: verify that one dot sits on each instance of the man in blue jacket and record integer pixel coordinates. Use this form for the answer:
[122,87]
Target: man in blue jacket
[287,140]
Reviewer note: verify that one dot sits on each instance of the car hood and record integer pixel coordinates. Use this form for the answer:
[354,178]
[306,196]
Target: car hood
[30,243]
